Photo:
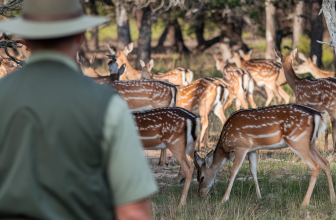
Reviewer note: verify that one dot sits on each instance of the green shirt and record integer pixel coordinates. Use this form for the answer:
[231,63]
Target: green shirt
[128,176]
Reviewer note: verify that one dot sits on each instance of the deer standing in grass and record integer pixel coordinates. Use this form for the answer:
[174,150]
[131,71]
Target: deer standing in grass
[206,94]
[172,128]
[319,94]
[309,66]
[240,82]
[264,73]
[246,131]
[179,76]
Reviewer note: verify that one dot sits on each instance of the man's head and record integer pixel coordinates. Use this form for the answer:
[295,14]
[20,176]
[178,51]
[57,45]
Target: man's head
[49,24]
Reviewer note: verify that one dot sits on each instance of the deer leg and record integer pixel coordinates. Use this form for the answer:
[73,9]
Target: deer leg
[238,161]
[276,92]
[228,102]
[253,167]
[283,94]
[326,169]
[241,98]
[333,125]
[306,155]
[218,110]
[270,95]
[204,129]
[163,158]
[326,140]
[237,104]
[251,100]
[187,167]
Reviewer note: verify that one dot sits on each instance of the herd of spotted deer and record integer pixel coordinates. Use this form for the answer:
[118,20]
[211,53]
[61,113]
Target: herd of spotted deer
[161,105]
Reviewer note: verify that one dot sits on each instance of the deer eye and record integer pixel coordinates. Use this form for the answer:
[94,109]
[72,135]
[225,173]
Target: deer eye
[202,178]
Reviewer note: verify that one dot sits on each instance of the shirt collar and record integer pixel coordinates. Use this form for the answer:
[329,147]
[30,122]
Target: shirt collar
[54,56]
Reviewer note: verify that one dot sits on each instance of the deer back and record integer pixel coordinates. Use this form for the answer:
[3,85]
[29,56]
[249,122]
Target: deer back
[146,94]
[165,127]
[269,127]
[263,70]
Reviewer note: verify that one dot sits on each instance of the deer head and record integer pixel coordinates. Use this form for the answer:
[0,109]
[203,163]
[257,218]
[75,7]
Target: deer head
[305,67]
[206,173]
[86,66]
[146,69]
[120,55]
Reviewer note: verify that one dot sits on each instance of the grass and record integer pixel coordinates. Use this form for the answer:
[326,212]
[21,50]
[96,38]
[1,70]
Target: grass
[283,179]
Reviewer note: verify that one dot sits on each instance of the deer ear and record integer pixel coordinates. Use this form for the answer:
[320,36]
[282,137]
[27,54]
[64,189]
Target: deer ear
[198,160]
[209,159]
[122,69]
[293,53]
[151,64]
[302,56]
[250,53]
[112,49]
[314,59]
[93,58]
[142,64]
[128,48]
[241,53]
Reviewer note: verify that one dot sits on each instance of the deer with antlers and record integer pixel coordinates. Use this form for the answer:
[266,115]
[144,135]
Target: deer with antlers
[179,76]
[246,131]
[319,94]
[174,129]
[310,66]
[264,73]
[240,81]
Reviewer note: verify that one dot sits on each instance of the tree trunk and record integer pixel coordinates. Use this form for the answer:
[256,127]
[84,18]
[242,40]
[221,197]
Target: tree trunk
[171,37]
[145,37]
[298,23]
[94,32]
[124,36]
[317,32]
[202,43]
[270,30]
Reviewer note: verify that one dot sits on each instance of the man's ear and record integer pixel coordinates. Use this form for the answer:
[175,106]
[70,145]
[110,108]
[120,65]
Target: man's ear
[198,160]
[209,159]
[128,48]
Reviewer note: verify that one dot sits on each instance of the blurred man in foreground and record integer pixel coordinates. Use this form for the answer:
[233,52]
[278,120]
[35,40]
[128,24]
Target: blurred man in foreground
[68,146]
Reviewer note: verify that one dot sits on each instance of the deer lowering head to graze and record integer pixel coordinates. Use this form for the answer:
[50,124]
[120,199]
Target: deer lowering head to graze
[146,69]
[246,131]
[240,81]
[309,66]
[178,76]
[264,73]
[319,94]
[172,128]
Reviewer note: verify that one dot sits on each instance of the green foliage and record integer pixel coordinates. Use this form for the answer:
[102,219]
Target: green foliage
[304,45]
[327,56]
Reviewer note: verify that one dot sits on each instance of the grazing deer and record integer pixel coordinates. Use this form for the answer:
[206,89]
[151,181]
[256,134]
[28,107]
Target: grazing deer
[172,128]
[246,131]
[240,82]
[310,66]
[177,76]
[264,73]
[206,94]
[319,94]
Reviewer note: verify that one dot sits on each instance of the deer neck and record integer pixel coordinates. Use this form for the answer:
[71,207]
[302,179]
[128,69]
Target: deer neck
[131,73]
[290,75]
[220,157]
[318,73]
